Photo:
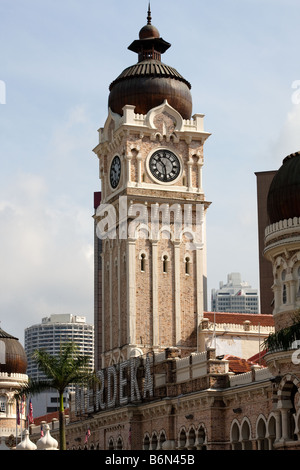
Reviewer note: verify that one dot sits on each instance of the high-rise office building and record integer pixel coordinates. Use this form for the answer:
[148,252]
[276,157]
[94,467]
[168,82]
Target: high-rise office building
[235,296]
[50,335]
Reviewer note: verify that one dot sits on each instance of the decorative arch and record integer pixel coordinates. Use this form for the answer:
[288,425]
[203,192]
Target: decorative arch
[119,445]
[154,441]
[162,438]
[146,442]
[235,435]
[182,438]
[287,391]
[111,445]
[164,108]
[201,441]
[246,434]
[191,438]
[261,433]
[271,430]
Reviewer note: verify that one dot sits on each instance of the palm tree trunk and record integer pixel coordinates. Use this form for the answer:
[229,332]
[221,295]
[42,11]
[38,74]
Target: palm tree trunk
[62,424]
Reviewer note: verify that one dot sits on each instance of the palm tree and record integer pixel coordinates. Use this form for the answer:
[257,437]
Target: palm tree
[68,367]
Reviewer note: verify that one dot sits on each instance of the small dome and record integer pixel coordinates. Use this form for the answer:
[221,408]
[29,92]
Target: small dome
[47,442]
[148,32]
[26,443]
[13,359]
[284,194]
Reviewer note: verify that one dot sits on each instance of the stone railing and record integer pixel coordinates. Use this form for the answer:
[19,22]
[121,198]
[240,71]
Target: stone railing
[282,224]
[255,375]
[4,375]
[242,327]
[191,367]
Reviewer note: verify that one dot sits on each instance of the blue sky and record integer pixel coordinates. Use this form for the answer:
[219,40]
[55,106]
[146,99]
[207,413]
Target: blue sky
[57,60]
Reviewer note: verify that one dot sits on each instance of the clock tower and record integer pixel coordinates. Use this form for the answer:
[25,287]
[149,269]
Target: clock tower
[150,248]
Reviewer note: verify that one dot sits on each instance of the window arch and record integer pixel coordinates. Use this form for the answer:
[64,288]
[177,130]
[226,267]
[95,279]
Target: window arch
[261,434]
[162,439]
[154,441]
[284,294]
[201,438]
[143,257]
[187,265]
[182,439]
[119,443]
[146,443]
[271,431]
[298,282]
[111,444]
[165,263]
[246,435]
[235,436]
[3,402]
[191,439]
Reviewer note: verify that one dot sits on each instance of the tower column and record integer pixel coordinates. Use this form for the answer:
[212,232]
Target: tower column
[177,292]
[199,282]
[155,321]
[131,290]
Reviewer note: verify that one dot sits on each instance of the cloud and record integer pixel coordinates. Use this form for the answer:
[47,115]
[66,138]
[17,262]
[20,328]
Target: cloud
[46,255]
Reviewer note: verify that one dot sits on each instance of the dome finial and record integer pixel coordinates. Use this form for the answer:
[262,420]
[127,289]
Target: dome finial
[149,14]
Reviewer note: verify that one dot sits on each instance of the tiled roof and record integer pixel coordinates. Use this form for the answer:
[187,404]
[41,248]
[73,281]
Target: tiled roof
[238,365]
[240,318]
[259,358]
[49,417]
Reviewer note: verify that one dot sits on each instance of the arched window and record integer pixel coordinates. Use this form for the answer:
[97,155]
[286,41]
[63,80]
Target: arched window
[235,437]
[2,404]
[146,445]
[191,439]
[271,432]
[201,439]
[187,265]
[143,262]
[119,443]
[165,264]
[162,439]
[298,278]
[262,441]
[245,432]
[154,442]
[111,444]
[283,276]
[182,439]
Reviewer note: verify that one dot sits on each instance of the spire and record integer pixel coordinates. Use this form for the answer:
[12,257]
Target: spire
[149,45]
[149,15]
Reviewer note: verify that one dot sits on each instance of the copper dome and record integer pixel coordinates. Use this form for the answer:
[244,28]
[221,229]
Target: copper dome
[12,354]
[284,194]
[149,83]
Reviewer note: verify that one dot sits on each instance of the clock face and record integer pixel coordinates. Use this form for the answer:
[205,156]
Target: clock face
[164,165]
[115,172]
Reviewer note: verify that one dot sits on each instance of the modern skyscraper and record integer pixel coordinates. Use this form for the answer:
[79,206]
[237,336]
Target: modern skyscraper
[235,296]
[53,332]
[50,335]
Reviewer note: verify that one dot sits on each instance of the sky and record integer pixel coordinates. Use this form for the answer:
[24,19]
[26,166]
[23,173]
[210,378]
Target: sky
[57,60]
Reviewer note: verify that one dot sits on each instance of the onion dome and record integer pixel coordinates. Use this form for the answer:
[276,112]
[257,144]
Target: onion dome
[149,83]
[26,443]
[47,442]
[284,194]
[13,359]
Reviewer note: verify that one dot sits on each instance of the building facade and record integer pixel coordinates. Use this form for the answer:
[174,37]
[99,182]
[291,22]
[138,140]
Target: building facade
[162,384]
[235,296]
